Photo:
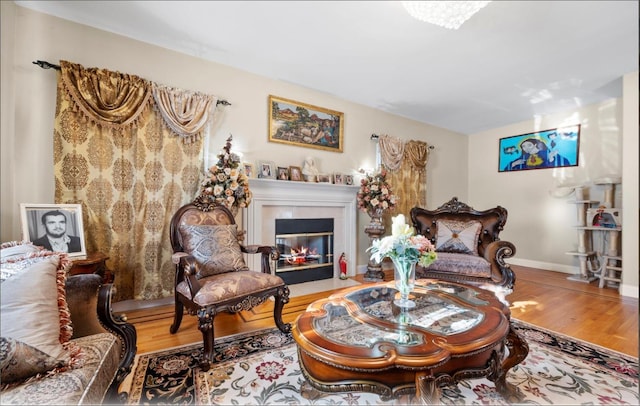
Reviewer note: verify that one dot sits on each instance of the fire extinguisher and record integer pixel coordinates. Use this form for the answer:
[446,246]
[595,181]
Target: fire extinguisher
[343,266]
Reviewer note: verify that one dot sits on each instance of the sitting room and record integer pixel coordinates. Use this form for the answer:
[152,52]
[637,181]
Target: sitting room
[153,132]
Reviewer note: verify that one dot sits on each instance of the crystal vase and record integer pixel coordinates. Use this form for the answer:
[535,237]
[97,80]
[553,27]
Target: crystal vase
[404,275]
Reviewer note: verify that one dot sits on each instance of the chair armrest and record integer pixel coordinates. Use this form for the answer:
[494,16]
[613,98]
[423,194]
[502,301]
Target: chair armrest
[82,299]
[89,303]
[269,253]
[495,254]
[186,270]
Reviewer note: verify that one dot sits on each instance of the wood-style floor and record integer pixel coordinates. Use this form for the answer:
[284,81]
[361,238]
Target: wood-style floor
[543,298]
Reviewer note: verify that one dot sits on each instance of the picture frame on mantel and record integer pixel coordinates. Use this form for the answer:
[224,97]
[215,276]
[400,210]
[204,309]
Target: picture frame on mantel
[305,125]
[295,173]
[249,170]
[266,170]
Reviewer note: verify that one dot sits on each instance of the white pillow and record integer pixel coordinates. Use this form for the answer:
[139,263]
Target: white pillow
[29,305]
[458,236]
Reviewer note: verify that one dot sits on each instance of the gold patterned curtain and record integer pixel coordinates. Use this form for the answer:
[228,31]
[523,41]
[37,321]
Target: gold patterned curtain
[115,155]
[406,164]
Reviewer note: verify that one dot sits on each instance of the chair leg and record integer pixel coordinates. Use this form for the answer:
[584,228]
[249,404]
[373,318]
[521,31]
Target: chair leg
[177,316]
[281,298]
[205,325]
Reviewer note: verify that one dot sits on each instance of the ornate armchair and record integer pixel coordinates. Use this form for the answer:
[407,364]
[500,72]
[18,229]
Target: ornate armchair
[467,244]
[211,273]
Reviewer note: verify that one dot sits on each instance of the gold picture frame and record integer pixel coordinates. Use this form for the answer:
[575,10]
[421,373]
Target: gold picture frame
[295,173]
[249,169]
[305,125]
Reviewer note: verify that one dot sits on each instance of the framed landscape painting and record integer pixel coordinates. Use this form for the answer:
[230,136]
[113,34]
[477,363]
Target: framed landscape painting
[56,227]
[305,125]
[557,147]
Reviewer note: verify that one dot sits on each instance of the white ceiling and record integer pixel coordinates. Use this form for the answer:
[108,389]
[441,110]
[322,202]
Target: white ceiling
[512,61]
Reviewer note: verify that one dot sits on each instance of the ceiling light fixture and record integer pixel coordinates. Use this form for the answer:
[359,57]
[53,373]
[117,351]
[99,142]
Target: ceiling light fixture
[448,14]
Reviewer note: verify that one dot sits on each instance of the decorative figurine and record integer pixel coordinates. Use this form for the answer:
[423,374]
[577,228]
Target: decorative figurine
[343,266]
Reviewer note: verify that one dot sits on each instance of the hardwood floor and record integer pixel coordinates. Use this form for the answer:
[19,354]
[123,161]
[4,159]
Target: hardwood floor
[543,298]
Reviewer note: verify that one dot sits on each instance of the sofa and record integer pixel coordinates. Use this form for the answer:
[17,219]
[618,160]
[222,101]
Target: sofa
[60,342]
[467,244]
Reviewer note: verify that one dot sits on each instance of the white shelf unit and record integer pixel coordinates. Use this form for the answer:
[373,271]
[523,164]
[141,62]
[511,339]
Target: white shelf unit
[603,263]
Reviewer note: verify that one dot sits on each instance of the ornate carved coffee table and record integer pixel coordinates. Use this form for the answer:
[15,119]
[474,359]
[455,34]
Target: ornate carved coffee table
[358,340]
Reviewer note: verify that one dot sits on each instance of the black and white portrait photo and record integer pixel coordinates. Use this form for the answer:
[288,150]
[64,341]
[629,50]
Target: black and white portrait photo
[55,227]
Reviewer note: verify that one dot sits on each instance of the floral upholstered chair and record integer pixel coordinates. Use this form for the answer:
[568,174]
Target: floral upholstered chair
[211,273]
[467,245]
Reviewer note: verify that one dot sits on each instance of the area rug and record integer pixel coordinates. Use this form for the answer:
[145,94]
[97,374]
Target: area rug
[261,368]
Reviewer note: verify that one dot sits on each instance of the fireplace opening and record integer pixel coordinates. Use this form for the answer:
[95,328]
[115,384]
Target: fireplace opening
[306,249]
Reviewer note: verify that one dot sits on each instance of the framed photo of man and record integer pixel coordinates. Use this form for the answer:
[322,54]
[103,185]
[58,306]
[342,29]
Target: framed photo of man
[56,227]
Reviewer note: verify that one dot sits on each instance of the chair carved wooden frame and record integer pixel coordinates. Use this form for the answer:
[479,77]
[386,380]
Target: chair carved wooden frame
[207,296]
[490,248]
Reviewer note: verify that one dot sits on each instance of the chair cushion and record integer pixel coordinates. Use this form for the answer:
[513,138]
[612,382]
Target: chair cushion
[215,248]
[221,287]
[461,264]
[458,236]
[35,321]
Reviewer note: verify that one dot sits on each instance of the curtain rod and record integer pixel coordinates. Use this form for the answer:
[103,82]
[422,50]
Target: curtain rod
[376,136]
[48,65]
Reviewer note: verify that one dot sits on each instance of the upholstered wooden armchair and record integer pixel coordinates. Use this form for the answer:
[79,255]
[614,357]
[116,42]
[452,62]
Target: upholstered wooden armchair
[211,273]
[466,240]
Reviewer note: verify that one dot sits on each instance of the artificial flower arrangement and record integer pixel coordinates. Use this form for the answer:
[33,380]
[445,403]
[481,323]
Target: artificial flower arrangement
[227,184]
[375,193]
[403,245]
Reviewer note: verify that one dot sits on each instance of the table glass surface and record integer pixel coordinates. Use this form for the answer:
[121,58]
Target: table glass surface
[435,311]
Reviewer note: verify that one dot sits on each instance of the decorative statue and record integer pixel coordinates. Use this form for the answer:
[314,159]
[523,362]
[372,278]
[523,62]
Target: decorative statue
[343,266]
[309,170]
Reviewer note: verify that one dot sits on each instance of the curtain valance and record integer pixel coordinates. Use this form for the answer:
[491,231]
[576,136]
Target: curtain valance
[115,100]
[107,98]
[391,152]
[417,154]
[184,112]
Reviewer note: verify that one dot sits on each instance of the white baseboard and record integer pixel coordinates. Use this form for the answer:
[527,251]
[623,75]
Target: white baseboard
[629,291]
[547,266]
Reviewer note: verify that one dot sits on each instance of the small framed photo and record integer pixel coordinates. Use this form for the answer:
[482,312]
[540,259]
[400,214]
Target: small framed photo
[348,179]
[295,173]
[338,179]
[266,170]
[324,178]
[56,227]
[283,173]
[249,170]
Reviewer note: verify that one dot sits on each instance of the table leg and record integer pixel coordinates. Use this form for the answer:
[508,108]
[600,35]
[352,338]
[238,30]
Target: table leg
[518,350]
[427,390]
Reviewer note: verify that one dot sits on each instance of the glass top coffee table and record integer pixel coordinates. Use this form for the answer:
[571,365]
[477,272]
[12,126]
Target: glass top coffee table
[358,340]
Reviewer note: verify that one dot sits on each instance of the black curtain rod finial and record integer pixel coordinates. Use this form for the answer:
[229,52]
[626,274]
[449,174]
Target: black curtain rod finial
[46,65]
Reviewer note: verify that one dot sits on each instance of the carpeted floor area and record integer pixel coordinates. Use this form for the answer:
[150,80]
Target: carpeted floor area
[262,368]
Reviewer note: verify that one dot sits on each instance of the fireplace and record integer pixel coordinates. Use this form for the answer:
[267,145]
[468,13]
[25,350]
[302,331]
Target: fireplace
[306,249]
[287,200]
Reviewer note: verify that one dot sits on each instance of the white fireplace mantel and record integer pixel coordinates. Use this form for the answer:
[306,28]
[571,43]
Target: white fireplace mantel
[278,199]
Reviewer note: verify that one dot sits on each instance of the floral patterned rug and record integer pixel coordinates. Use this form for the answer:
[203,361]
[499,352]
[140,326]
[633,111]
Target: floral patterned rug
[261,368]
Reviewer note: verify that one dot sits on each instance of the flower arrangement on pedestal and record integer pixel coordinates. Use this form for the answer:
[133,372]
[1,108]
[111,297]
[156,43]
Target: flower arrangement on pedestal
[227,184]
[405,249]
[375,195]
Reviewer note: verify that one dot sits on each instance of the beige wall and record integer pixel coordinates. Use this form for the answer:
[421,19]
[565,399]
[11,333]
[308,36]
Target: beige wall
[541,225]
[463,166]
[27,115]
